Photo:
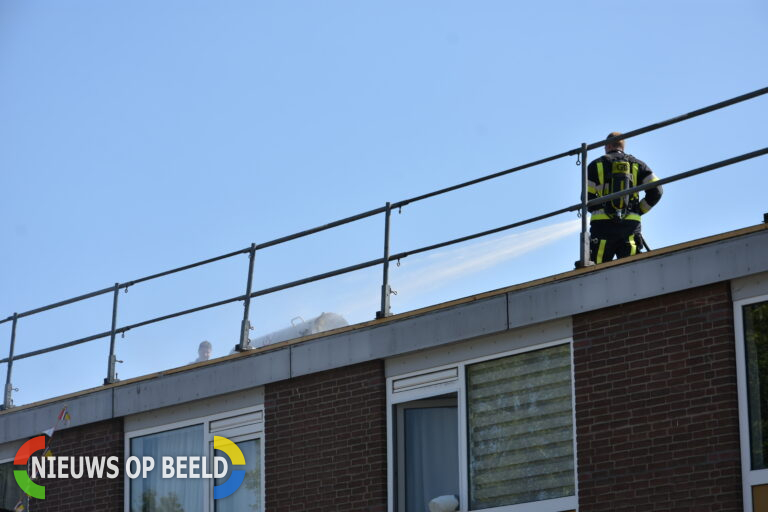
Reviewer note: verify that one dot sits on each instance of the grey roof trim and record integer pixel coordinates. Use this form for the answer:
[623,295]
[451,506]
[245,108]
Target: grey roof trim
[648,277]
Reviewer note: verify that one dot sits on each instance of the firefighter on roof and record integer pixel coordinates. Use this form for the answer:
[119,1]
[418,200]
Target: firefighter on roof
[615,225]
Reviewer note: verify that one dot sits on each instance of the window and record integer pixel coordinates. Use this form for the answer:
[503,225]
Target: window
[520,426]
[751,317]
[756,347]
[157,494]
[427,456]
[249,497]
[497,433]
[9,490]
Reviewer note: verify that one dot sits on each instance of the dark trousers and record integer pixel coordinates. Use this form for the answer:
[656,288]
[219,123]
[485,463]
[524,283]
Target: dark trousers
[608,239]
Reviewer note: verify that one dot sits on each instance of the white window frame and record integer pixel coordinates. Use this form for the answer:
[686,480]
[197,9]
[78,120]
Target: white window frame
[240,433]
[749,478]
[441,384]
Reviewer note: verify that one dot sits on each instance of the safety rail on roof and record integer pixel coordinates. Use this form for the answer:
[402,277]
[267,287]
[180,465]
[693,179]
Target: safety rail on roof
[244,342]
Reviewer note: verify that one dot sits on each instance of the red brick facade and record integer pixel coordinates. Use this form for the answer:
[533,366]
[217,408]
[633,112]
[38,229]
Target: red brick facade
[326,441]
[104,439]
[656,417]
[656,404]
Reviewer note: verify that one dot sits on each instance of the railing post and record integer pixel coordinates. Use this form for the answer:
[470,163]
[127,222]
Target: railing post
[386,291]
[111,371]
[245,325]
[584,239]
[8,395]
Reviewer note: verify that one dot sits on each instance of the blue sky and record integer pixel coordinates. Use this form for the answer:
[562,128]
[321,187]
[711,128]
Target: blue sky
[140,136]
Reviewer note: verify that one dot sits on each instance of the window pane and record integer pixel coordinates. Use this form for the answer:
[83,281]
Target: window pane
[431,455]
[756,341]
[520,425]
[157,494]
[9,490]
[247,498]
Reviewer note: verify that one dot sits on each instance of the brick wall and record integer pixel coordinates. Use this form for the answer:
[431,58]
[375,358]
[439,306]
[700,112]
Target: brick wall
[326,441]
[656,404]
[103,439]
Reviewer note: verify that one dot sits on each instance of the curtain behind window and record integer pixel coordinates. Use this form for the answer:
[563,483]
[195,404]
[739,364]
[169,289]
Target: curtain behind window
[431,455]
[520,425]
[157,494]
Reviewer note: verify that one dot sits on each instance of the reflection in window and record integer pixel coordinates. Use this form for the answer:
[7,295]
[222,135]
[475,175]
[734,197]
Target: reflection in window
[520,428]
[756,349]
[157,494]
[247,498]
[428,452]
[9,491]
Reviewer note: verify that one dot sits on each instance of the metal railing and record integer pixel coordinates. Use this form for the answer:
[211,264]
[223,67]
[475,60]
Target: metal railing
[244,341]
